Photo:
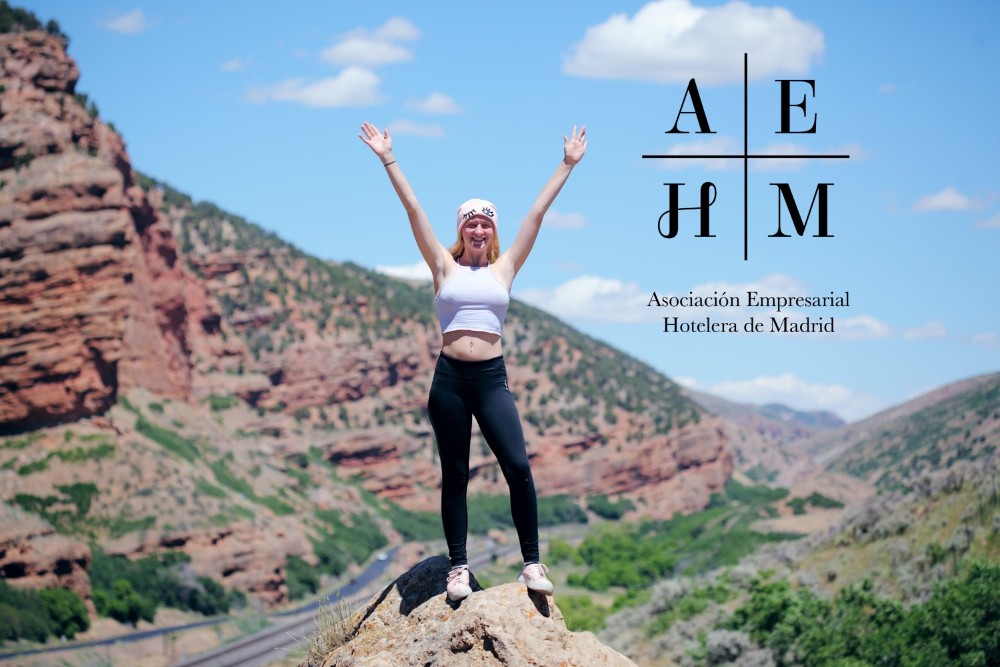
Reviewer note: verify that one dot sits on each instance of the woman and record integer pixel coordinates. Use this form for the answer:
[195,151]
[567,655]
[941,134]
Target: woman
[472,282]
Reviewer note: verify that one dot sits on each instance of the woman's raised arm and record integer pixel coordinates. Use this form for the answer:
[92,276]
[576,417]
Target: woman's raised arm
[433,252]
[574,147]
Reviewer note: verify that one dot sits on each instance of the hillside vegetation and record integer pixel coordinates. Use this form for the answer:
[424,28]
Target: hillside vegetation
[905,578]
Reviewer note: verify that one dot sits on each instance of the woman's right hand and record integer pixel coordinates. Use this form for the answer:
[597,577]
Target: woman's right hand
[380,143]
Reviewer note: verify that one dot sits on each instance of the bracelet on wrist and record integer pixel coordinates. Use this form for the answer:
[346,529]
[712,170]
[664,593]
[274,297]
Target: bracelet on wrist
[386,164]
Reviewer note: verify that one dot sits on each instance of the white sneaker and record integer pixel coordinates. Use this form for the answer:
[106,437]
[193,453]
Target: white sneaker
[533,576]
[458,583]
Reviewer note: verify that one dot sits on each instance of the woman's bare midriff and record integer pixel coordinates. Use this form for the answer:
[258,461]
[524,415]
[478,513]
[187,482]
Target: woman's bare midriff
[471,345]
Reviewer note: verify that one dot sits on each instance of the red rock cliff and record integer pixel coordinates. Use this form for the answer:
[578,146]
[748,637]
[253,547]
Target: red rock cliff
[93,299]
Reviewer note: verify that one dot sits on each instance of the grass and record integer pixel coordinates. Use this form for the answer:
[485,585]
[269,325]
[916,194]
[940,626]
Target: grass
[334,628]
[169,440]
[935,523]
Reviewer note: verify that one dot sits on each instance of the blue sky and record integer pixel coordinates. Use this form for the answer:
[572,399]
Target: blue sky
[256,107]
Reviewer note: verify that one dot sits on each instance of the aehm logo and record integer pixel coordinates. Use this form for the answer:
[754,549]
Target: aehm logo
[668,223]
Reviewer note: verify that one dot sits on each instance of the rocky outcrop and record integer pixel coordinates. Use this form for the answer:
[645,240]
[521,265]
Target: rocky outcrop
[674,472]
[94,299]
[247,556]
[412,622]
[32,555]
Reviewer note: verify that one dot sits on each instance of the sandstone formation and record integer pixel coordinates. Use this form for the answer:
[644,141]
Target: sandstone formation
[93,299]
[412,623]
[32,555]
[247,556]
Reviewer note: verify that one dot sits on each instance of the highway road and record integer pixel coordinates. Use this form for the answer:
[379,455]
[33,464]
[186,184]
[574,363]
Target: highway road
[290,629]
[298,621]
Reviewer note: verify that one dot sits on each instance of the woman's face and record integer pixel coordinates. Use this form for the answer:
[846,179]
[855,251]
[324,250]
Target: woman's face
[477,234]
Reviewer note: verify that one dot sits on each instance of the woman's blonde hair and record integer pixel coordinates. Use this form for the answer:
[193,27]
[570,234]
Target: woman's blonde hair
[492,252]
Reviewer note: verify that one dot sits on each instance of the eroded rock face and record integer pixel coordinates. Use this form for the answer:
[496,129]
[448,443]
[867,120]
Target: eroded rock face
[33,556]
[248,556]
[92,296]
[412,623]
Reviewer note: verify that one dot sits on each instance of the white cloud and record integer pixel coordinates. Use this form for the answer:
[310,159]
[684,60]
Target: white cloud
[932,329]
[435,103]
[397,29]
[366,52]
[986,340]
[404,126]
[992,223]
[862,327]
[949,199]
[795,392]
[672,41]
[887,88]
[129,24]
[371,49]
[591,298]
[558,220]
[233,65]
[416,271]
[354,87]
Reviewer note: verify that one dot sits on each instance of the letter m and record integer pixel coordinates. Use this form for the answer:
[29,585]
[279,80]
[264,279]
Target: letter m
[819,196]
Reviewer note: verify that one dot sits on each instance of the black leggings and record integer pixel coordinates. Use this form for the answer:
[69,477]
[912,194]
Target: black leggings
[459,391]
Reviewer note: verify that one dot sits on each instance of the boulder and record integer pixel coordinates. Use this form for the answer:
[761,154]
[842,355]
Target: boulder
[412,623]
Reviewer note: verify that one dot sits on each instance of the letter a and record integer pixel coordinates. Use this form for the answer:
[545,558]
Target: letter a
[699,111]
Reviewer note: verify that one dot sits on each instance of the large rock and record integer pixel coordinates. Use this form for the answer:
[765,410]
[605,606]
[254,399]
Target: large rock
[412,622]
[93,299]
[32,555]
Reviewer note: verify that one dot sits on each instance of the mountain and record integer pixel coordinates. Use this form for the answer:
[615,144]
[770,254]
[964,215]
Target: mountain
[176,379]
[764,437]
[957,422]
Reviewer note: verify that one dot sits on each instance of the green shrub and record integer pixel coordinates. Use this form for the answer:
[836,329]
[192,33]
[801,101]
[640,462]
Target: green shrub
[958,625]
[798,505]
[102,451]
[604,507]
[754,495]
[817,499]
[131,590]
[123,604]
[35,615]
[556,510]
[300,577]
[66,610]
[415,526]
[182,447]
[582,614]
[208,488]
[218,403]
[559,551]
[225,477]
[277,505]
[339,544]
[487,512]
[80,494]
[33,467]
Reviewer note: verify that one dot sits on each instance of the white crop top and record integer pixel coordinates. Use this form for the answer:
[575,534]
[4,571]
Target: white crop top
[472,299]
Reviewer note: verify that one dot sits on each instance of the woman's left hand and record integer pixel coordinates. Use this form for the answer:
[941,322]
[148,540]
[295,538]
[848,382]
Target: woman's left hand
[575,146]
